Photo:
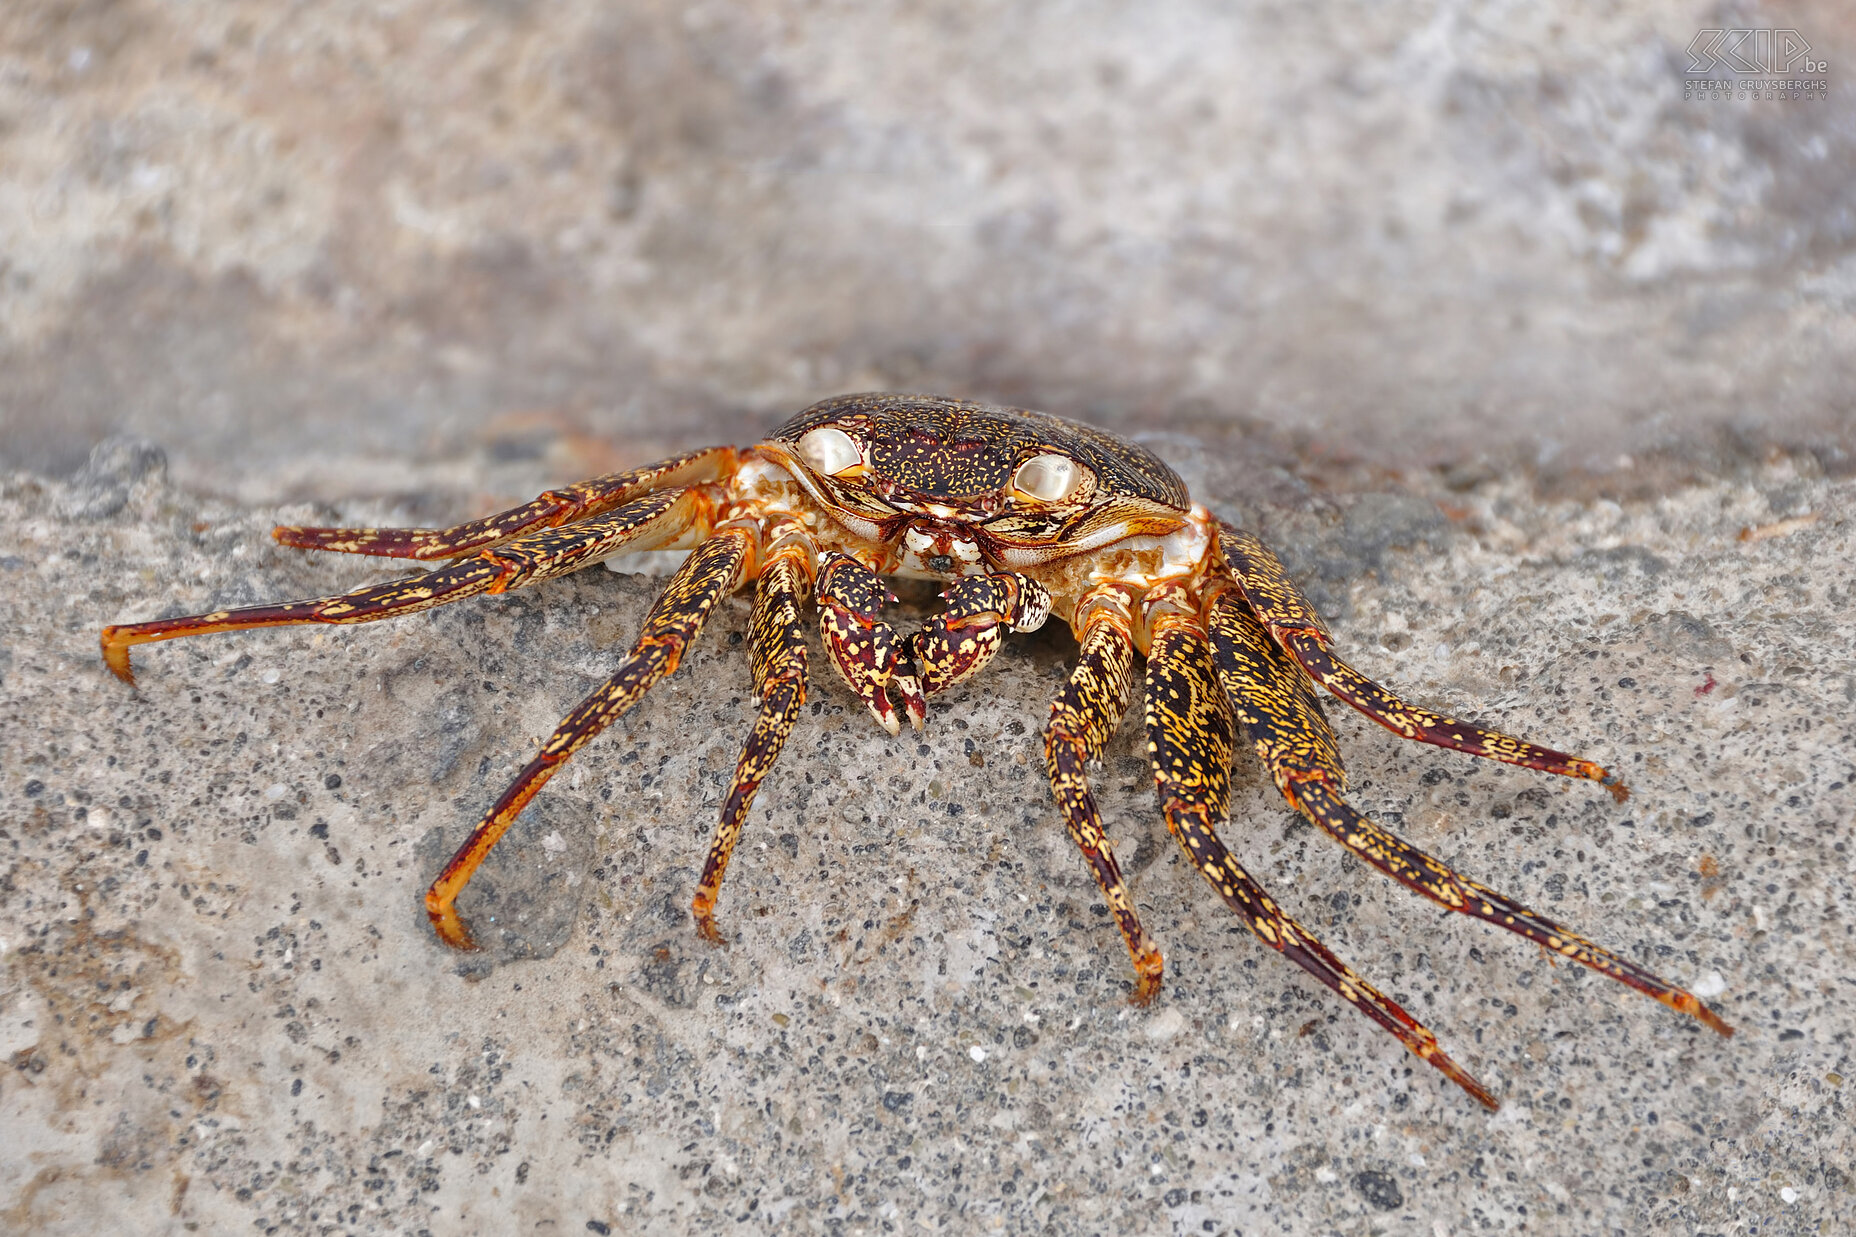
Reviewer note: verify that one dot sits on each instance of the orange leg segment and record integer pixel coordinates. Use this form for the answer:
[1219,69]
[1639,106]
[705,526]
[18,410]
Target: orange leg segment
[363,605]
[537,556]
[1082,719]
[1264,686]
[710,573]
[1190,743]
[780,680]
[550,510]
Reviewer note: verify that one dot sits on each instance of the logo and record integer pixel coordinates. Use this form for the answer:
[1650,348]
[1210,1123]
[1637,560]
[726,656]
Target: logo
[1777,52]
[1747,64]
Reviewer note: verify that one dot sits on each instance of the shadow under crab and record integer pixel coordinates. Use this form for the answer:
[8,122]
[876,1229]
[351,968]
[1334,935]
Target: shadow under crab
[1022,515]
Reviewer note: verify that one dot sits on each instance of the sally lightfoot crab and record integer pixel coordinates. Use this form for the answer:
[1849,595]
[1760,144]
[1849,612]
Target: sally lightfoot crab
[1023,515]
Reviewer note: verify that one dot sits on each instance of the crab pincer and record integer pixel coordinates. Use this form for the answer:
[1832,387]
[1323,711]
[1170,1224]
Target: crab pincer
[965,635]
[868,653]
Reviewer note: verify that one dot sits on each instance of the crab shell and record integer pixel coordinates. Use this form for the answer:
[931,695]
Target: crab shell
[927,488]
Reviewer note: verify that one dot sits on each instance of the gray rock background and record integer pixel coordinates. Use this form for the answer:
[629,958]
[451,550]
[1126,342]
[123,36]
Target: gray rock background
[223,1009]
[1503,341]
[312,246]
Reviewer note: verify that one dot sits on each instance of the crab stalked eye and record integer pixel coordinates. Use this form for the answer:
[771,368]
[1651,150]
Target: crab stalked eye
[829,450]
[1048,478]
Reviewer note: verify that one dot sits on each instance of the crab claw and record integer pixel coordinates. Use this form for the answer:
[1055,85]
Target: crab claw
[908,685]
[865,649]
[958,642]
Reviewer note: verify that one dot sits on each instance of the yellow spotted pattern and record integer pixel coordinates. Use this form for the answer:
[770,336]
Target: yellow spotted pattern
[959,641]
[1190,739]
[711,572]
[1267,687]
[864,648]
[780,680]
[1082,718]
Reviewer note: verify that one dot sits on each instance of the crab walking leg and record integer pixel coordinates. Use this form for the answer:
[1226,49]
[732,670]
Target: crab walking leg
[1189,741]
[1411,722]
[958,642]
[1082,718]
[1298,628]
[780,681]
[1320,802]
[550,510]
[865,649]
[376,601]
[1259,677]
[710,573]
[640,524]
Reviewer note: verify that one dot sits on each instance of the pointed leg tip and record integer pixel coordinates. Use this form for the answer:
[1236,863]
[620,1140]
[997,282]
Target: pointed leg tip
[451,928]
[300,537]
[1711,1020]
[706,929]
[116,656]
[1461,1077]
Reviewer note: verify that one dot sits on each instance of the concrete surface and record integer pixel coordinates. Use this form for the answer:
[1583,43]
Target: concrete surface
[301,243]
[1472,309]
[224,1013]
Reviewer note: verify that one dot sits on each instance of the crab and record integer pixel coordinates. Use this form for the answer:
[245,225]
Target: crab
[1023,515]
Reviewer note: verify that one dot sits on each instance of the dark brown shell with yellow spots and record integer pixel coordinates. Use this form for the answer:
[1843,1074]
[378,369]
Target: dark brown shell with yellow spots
[934,447]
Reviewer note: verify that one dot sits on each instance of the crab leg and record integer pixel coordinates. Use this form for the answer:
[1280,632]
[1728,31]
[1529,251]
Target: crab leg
[639,524]
[867,652]
[1189,741]
[710,573]
[550,510]
[959,641]
[1262,683]
[780,681]
[1082,719]
[1299,629]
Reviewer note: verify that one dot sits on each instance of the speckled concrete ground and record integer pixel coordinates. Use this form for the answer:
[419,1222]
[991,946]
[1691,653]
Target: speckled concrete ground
[224,1013]
[1400,285]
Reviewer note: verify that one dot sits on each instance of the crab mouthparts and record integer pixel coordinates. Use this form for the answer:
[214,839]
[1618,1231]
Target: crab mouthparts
[937,550]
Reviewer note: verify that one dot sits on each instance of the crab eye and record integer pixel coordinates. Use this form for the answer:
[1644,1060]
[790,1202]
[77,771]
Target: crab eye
[829,450]
[1048,478]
